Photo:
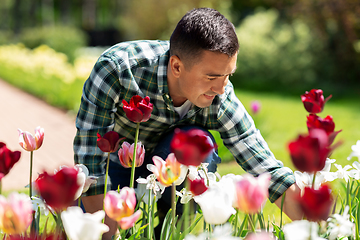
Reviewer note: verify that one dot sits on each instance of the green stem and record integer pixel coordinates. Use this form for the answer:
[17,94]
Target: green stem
[134,156]
[186,209]
[251,223]
[150,215]
[0,186]
[313,181]
[30,180]
[106,180]
[173,207]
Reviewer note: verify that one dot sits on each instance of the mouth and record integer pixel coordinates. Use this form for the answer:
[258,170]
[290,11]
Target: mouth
[210,97]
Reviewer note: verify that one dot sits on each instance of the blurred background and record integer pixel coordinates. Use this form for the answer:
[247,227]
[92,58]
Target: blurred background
[287,47]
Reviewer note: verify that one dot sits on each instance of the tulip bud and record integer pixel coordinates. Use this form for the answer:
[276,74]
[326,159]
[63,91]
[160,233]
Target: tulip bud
[109,142]
[314,100]
[8,159]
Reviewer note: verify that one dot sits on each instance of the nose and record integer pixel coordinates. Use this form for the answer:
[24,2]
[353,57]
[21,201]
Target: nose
[219,85]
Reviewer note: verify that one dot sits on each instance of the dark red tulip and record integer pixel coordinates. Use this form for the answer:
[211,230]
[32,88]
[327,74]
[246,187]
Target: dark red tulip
[191,147]
[138,109]
[327,124]
[58,190]
[197,186]
[316,204]
[309,152]
[7,159]
[110,142]
[314,100]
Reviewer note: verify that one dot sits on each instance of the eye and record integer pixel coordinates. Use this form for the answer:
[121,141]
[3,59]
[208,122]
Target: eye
[211,78]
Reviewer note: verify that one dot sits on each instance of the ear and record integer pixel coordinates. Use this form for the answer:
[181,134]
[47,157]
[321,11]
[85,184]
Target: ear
[176,66]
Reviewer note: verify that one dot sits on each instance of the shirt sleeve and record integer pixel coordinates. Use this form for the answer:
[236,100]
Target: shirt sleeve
[244,141]
[99,99]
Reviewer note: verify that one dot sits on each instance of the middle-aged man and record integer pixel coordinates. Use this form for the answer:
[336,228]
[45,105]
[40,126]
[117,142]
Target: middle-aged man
[187,80]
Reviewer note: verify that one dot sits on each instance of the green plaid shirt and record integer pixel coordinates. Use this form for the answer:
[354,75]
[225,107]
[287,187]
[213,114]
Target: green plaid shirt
[140,68]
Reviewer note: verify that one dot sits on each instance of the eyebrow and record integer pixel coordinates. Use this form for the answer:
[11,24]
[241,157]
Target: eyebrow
[220,75]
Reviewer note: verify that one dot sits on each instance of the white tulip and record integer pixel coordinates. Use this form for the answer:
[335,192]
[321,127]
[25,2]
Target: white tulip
[83,226]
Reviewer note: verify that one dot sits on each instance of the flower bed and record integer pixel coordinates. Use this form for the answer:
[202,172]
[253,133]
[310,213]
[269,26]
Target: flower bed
[230,205]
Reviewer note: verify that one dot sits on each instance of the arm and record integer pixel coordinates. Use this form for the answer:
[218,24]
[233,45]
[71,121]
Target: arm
[93,204]
[291,206]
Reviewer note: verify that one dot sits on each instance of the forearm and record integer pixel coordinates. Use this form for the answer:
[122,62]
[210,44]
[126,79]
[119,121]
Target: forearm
[95,203]
[291,206]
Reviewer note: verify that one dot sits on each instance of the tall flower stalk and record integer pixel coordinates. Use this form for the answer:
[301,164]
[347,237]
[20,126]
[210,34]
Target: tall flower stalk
[109,143]
[133,165]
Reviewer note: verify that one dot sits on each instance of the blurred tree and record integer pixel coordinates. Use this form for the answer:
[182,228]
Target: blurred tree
[154,19]
[335,22]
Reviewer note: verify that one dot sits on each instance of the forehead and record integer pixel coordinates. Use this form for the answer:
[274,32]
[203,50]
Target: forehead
[214,63]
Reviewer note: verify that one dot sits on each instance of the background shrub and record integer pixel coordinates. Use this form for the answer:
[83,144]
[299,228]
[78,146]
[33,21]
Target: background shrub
[274,54]
[60,38]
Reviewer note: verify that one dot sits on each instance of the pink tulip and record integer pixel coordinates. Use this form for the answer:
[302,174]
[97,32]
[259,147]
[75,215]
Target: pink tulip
[121,206]
[126,153]
[252,192]
[15,213]
[30,143]
[167,172]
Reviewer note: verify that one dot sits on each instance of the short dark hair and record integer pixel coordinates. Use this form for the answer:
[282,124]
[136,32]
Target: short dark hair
[203,29]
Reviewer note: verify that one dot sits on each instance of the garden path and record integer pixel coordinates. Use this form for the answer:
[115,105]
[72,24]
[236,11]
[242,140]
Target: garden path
[21,110]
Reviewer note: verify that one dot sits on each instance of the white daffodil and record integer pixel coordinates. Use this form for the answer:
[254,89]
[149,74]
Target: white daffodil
[185,195]
[301,230]
[339,226]
[150,183]
[355,173]
[83,226]
[343,172]
[355,151]
[39,205]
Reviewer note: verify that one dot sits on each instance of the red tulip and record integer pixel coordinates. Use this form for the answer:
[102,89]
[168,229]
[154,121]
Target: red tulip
[7,159]
[314,100]
[316,204]
[138,109]
[191,147]
[309,153]
[58,190]
[110,142]
[197,186]
[327,124]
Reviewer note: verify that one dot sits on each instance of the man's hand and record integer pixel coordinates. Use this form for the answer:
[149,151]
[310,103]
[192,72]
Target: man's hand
[291,206]
[95,203]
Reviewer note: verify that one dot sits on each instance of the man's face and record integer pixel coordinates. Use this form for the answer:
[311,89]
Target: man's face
[206,79]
